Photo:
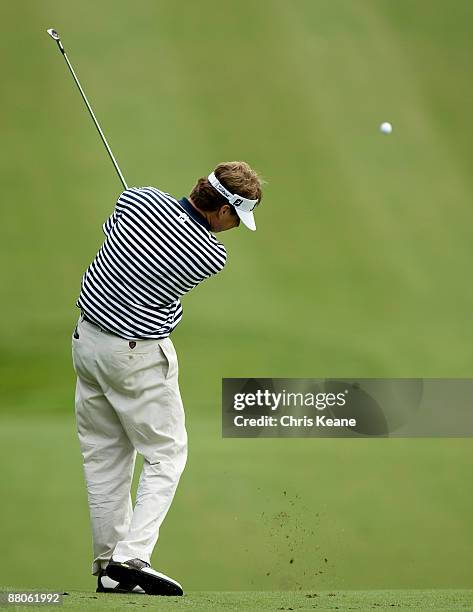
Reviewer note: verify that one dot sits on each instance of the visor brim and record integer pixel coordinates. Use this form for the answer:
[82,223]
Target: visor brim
[247,218]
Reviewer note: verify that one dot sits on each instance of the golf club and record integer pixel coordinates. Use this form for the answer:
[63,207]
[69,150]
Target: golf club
[54,35]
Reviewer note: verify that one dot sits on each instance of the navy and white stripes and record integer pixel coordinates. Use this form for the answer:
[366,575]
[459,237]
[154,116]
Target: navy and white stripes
[156,250]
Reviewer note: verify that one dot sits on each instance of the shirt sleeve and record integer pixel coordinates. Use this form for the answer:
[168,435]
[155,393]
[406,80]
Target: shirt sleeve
[123,202]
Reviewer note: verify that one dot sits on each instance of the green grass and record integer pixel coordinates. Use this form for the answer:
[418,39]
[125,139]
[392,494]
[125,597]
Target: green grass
[275,600]
[361,266]
[253,514]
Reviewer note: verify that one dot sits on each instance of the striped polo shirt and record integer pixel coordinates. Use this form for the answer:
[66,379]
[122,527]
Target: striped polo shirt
[156,249]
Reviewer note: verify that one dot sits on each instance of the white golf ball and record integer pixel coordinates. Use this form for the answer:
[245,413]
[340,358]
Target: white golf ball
[386,127]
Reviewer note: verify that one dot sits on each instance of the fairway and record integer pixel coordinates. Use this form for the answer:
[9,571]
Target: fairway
[249,601]
[296,515]
[360,267]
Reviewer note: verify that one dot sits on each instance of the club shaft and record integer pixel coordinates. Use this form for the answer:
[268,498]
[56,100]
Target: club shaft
[99,129]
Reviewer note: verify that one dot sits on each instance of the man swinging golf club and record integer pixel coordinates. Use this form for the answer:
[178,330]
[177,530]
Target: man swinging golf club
[127,399]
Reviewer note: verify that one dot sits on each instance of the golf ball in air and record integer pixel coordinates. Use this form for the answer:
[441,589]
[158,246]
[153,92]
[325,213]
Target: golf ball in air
[386,127]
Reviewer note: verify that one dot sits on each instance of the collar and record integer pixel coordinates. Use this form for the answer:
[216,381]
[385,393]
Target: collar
[194,213]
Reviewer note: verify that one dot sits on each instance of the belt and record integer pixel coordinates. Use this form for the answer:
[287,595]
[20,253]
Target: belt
[131,343]
[85,318]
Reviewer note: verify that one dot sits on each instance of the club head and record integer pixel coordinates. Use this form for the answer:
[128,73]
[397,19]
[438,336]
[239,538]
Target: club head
[53,33]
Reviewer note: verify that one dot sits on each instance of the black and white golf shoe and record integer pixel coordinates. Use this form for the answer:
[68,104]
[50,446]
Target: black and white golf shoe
[105,584]
[136,571]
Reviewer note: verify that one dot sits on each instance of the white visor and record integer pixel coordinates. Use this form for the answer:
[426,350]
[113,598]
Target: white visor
[243,206]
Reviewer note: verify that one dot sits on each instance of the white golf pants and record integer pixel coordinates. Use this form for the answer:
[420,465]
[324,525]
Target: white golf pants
[127,401]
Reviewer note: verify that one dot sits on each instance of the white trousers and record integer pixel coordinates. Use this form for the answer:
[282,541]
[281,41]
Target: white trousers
[127,401]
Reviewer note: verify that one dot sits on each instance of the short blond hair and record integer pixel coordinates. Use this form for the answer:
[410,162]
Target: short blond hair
[237,176]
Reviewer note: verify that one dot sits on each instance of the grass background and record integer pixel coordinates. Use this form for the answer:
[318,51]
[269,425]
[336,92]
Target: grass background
[204,601]
[361,266]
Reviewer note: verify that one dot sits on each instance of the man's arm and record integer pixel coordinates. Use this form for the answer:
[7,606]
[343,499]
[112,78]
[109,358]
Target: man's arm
[122,203]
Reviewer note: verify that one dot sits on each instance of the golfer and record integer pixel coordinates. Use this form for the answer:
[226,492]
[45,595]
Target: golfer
[127,398]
